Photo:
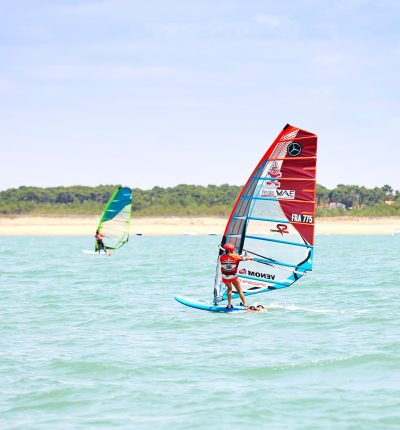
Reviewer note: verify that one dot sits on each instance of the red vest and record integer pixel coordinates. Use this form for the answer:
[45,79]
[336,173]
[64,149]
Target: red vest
[230,263]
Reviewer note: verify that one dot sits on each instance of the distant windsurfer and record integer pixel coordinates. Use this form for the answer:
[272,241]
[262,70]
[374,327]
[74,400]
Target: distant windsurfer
[229,267]
[99,243]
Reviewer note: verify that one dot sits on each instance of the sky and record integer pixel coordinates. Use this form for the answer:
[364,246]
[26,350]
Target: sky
[163,92]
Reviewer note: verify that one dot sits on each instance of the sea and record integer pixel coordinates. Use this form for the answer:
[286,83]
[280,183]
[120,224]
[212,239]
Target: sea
[97,342]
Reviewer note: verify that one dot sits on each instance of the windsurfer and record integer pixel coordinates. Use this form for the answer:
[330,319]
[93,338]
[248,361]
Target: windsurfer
[100,244]
[229,267]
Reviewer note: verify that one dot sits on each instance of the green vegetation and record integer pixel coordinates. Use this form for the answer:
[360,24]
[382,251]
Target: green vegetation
[353,200]
[77,200]
[184,199]
[188,200]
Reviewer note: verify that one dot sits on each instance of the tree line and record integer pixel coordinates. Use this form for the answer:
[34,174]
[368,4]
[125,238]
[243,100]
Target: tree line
[357,200]
[188,200]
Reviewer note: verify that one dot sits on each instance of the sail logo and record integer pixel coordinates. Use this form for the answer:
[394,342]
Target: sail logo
[309,219]
[274,172]
[280,228]
[294,149]
[242,271]
[261,275]
[278,194]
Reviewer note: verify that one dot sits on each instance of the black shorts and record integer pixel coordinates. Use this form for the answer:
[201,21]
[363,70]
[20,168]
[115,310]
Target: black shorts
[100,245]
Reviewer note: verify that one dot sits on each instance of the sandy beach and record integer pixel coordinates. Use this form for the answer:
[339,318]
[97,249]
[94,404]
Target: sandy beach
[82,226]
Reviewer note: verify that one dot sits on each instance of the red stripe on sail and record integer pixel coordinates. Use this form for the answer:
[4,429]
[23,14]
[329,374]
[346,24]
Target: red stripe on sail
[299,175]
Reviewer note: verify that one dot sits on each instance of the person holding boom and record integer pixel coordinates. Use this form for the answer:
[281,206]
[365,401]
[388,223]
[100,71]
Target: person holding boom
[229,267]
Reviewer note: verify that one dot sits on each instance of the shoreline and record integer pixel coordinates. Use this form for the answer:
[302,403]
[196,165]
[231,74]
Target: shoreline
[175,226]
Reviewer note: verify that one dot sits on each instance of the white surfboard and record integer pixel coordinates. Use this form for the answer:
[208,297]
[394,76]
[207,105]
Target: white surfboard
[86,251]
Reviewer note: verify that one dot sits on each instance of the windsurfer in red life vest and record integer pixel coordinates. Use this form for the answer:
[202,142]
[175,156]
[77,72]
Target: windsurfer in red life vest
[99,243]
[229,267]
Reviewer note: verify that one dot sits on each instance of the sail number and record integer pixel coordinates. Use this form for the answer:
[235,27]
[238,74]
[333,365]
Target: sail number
[309,219]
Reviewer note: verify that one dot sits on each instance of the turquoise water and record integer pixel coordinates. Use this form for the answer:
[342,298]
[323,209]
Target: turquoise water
[90,342]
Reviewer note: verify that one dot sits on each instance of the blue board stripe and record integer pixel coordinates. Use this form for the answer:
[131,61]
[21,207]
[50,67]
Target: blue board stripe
[279,241]
[207,306]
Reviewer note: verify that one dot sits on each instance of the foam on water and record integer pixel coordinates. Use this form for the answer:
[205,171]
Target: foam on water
[88,342]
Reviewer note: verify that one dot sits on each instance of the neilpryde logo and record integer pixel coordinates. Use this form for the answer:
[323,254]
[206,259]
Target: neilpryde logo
[280,228]
[294,149]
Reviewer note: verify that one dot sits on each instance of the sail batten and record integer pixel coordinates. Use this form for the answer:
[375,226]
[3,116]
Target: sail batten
[266,178]
[279,241]
[276,263]
[285,221]
[273,217]
[275,199]
[286,284]
[287,158]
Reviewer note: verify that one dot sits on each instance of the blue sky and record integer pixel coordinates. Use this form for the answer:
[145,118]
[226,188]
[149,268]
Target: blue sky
[162,92]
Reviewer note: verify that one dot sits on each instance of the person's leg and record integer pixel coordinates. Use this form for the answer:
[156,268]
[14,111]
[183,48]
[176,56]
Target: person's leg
[229,293]
[103,248]
[238,287]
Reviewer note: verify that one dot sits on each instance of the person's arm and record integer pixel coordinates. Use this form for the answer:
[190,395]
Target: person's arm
[245,258]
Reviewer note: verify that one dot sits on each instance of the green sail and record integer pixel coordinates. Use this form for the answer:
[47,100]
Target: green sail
[115,220]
